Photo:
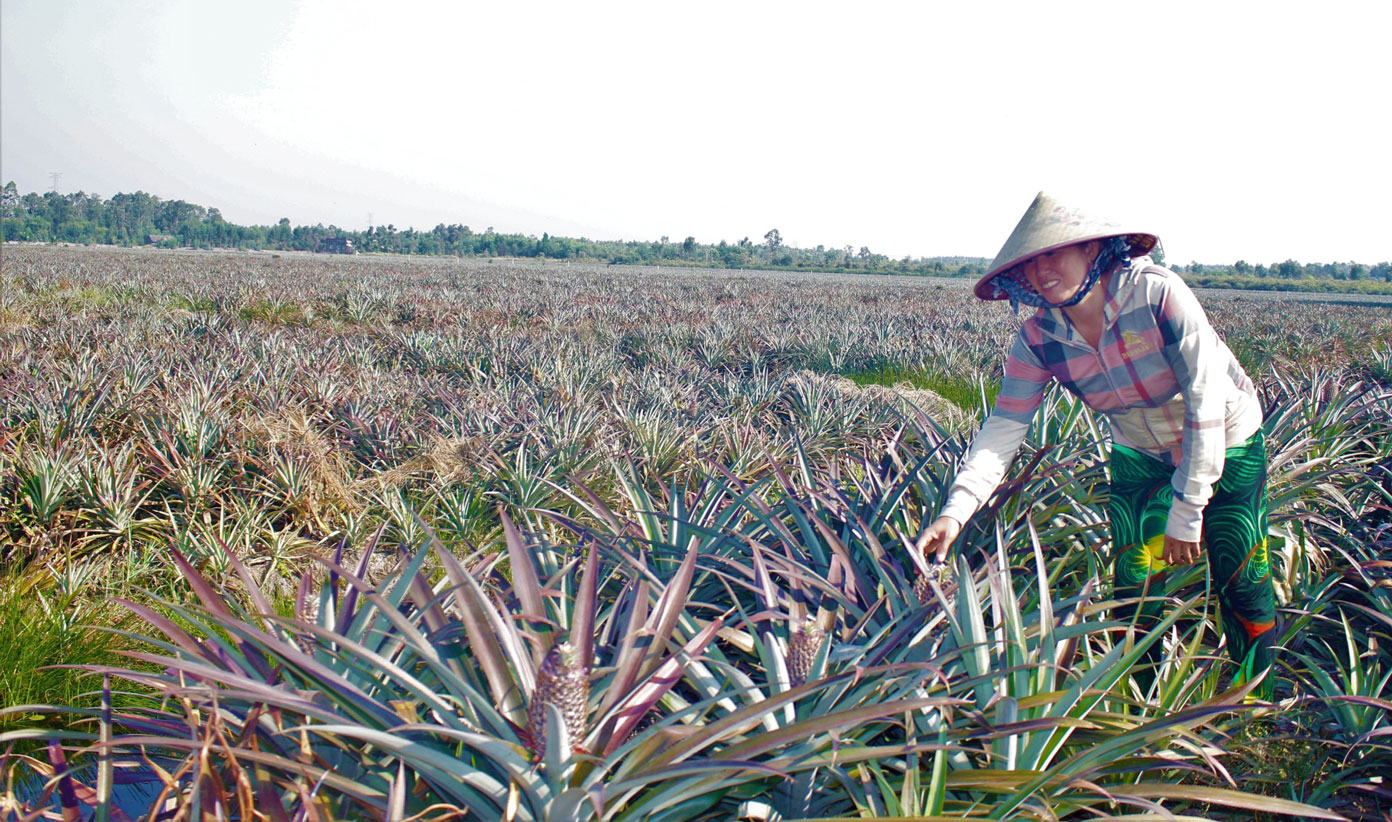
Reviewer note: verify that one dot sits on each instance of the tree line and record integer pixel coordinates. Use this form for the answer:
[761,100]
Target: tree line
[1291,270]
[141,218]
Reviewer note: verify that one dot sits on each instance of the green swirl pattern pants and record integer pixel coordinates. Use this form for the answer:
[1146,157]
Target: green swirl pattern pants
[1234,542]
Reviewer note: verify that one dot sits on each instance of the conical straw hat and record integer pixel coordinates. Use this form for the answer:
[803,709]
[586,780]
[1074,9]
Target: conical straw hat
[1047,225]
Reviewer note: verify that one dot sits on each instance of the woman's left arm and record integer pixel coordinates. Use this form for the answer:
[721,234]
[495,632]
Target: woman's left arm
[1199,360]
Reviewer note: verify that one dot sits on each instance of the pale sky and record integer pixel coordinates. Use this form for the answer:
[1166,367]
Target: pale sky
[1234,130]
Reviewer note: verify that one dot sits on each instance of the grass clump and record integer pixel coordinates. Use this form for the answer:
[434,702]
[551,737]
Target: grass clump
[276,312]
[49,621]
[962,391]
[1291,755]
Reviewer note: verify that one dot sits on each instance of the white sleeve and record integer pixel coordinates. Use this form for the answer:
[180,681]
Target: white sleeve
[1198,359]
[988,459]
[1000,436]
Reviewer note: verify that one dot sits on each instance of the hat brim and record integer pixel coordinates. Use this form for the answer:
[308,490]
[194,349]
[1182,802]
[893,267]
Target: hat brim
[1141,244]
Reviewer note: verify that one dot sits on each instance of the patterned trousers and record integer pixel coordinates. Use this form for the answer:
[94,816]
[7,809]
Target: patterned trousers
[1234,542]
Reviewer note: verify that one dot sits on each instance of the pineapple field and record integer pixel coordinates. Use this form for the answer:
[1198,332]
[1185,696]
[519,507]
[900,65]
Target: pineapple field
[285,536]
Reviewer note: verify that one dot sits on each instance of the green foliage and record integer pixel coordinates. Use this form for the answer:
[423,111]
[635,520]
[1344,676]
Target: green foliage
[439,688]
[49,621]
[1318,285]
[276,312]
[958,390]
[1019,702]
[140,219]
[519,450]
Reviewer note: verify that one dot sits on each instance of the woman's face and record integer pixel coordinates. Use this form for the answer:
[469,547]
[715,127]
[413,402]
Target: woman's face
[1057,274]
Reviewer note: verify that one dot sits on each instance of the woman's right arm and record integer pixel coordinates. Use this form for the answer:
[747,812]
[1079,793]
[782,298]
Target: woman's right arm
[993,449]
[987,461]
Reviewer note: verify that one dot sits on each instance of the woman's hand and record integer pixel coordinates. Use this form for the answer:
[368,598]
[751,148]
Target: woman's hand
[937,538]
[1179,552]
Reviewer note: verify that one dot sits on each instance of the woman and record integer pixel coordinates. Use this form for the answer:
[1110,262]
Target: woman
[1188,465]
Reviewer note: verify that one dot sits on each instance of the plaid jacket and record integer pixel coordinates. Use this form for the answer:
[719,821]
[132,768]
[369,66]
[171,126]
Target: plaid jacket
[1166,382]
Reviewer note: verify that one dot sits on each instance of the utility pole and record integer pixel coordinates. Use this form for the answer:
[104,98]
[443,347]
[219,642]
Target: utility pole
[369,221]
[55,176]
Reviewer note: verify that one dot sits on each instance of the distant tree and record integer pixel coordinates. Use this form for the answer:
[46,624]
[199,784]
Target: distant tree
[733,256]
[688,245]
[1357,272]
[282,234]
[59,210]
[1242,267]
[1290,270]
[773,239]
[9,201]
[131,216]
[91,206]
[174,214]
